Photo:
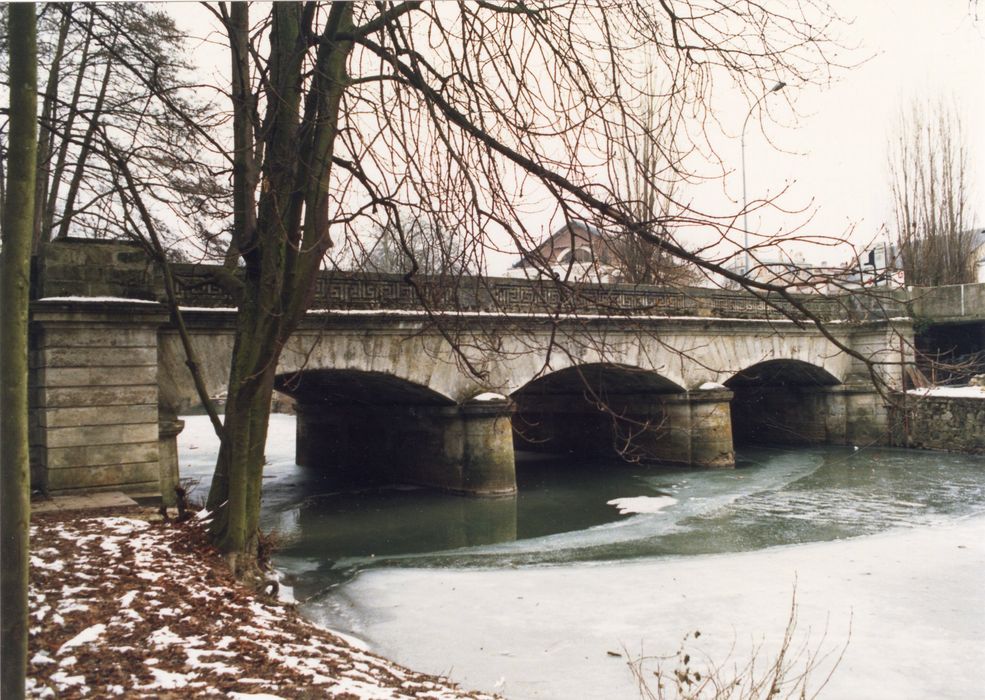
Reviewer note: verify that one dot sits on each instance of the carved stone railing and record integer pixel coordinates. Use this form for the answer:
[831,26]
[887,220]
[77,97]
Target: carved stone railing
[361,291]
[92,268]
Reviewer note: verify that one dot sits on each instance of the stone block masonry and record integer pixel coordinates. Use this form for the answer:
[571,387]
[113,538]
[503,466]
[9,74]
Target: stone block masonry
[383,394]
[955,424]
[94,396]
[94,268]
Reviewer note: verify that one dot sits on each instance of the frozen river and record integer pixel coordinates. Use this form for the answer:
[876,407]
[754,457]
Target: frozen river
[547,594]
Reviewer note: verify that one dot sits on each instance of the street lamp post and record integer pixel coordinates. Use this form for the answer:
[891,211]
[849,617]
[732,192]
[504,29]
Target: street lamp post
[745,200]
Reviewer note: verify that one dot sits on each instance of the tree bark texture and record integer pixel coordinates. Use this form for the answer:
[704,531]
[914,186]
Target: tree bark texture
[18,229]
[281,237]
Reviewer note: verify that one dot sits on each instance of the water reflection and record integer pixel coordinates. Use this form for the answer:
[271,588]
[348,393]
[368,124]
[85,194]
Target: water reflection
[328,537]
[562,512]
[393,522]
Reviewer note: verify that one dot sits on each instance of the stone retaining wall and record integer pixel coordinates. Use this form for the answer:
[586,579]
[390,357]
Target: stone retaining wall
[955,424]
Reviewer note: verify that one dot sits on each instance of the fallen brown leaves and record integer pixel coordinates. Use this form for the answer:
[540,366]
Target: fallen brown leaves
[125,607]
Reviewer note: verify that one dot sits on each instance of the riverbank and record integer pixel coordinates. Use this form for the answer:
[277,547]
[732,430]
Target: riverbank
[125,606]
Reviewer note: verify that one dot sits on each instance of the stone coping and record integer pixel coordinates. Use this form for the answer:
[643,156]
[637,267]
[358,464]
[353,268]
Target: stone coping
[82,501]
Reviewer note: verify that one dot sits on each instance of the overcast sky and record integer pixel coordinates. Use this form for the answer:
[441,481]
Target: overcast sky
[920,51]
[835,157]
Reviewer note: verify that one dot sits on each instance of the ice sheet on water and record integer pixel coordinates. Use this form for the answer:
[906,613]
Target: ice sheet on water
[911,598]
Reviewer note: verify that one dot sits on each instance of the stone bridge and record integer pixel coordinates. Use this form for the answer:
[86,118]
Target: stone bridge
[440,383]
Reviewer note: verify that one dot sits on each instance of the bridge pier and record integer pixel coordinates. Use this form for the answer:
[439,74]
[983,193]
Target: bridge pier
[94,398]
[464,449]
[711,428]
[169,427]
[692,428]
[478,455]
[697,430]
[867,420]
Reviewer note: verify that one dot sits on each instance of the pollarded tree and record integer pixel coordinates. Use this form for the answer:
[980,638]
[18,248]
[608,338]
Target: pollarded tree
[464,112]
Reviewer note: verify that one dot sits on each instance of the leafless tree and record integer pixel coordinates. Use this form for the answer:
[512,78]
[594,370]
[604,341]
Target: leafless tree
[650,171]
[417,247]
[462,112]
[116,74]
[930,181]
[15,261]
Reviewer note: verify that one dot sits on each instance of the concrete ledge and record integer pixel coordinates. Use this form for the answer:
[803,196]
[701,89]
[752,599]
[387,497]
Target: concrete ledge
[82,501]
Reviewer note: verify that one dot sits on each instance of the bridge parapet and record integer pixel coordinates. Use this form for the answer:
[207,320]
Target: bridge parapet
[357,291]
[99,268]
[956,303]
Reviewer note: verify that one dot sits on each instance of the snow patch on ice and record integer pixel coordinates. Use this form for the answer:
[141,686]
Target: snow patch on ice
[642,504]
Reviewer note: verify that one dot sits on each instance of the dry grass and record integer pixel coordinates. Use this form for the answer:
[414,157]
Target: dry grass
[798,669]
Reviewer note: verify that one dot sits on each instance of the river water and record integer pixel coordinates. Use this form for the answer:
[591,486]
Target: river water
[550,593]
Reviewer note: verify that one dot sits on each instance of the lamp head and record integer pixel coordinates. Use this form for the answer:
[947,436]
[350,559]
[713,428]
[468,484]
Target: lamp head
[779,86]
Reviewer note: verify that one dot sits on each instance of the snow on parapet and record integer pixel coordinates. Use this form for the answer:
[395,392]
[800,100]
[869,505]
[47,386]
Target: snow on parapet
[102,300]
[711,386]
[488,396]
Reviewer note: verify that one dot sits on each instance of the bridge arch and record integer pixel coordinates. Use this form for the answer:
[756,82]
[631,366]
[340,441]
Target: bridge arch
[371,428]
[356,386]
[787,402]
[615,410]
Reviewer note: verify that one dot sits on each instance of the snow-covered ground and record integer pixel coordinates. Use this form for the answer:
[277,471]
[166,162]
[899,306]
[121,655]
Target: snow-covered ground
[123,607]
[968,392]
[909,604]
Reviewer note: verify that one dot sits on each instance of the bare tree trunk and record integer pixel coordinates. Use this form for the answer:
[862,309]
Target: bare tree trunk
[46,140]
[54,186]
[86,149]
[18,227]
[282,240]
